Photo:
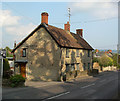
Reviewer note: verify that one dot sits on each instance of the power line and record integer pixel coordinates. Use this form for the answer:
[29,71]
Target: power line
[88,21]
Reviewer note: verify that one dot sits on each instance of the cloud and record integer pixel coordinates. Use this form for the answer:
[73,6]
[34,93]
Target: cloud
[96,8]
[7,19]
[12,26]
[20,31]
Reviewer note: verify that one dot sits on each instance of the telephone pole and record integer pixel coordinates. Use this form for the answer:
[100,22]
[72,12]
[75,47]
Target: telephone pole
[117,55]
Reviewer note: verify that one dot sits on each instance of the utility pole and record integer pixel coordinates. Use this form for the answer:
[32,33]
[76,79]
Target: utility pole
[117,55]
[69,14]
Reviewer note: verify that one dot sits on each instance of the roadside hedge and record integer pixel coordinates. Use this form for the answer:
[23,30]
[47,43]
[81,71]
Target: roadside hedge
[16,80]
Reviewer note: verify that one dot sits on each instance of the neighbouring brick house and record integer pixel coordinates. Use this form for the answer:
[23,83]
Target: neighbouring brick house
[48,51]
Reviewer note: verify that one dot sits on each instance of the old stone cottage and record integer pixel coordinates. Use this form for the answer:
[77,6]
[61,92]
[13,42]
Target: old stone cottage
[49,52]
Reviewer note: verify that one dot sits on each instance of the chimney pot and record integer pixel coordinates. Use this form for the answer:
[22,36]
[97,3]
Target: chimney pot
[44,17]
[79,32]
[67,26]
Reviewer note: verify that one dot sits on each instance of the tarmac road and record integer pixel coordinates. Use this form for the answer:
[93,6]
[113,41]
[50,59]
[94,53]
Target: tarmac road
[103,86]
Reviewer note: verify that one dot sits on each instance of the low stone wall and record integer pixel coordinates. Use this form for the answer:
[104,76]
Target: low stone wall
[109,68]
[75,74]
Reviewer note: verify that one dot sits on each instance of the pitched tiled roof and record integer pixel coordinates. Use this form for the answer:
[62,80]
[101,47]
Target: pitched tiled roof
[68,39]
[62,38]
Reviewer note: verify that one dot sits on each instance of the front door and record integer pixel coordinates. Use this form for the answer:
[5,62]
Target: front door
[23,70]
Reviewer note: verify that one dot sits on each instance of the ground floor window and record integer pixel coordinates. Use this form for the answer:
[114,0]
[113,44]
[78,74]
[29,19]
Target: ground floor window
[77,65]
[88,66]
[67,67]
[72,67]
[84,66]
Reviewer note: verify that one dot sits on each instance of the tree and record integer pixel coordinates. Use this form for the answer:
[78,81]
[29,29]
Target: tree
[8,52]
[95,59]
[6,68]
[105,61]
[114,57]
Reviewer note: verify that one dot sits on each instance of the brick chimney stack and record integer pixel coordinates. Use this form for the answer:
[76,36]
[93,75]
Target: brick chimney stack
[44,17]
[79,32]
[67,26]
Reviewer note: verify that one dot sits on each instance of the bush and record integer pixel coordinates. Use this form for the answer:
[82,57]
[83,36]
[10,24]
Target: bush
[105,61]
[8,74]
[92,72]
[6,68]
[16,80]
[95,71]
[95,59]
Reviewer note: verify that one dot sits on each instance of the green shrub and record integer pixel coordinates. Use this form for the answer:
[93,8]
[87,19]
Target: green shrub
[16,80]
[95,59]
[105,61]
[6,65]
[95,71]
[6,68]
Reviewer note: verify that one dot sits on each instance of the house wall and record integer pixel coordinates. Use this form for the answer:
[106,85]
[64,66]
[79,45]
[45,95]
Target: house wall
[43,56]
[73,59]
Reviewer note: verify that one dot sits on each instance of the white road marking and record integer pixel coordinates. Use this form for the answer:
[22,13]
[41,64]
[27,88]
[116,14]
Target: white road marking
[58,95]
[88,85]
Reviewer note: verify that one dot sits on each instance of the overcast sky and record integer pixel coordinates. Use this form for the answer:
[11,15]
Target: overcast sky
[98,20]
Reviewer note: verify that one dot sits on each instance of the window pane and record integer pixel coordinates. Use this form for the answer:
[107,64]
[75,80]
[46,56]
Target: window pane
[78,66]
[24,52]
[67,67]
[88,53]
[72,67]
[88,66]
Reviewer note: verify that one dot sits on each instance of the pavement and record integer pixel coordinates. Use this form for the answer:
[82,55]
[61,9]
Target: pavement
[104,85]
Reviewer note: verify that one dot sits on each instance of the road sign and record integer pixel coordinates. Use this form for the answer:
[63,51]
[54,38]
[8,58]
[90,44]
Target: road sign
[3,53]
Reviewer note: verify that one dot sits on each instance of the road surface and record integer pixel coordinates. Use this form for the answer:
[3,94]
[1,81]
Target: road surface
[104,86]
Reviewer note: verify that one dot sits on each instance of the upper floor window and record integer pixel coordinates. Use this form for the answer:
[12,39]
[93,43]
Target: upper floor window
[77,52]
[67,53]
[81,55]
[88,53]
[23,52]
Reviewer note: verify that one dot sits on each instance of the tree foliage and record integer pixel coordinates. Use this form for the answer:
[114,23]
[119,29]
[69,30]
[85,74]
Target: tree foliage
[95,59]
[114,57]
[8,52]
[6,65]
[105,61]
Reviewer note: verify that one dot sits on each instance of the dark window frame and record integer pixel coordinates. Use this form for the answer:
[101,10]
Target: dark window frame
[88,53]
[24,50]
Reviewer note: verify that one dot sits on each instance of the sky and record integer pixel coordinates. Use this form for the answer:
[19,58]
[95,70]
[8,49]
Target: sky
[99,20]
